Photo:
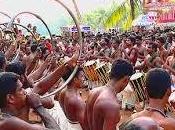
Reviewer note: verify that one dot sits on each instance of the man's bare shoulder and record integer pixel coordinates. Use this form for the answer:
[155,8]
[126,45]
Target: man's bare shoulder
[95,91]
[136,115]
[108,109]
[107,105]
[169,57]
[168,123]
[14,123]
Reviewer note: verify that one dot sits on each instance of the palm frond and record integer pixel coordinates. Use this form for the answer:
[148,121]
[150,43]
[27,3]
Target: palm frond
[116,16]
[123,15]
[127,23]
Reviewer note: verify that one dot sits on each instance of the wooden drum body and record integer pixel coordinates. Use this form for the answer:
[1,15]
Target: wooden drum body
[89,70]
[103,73]
[137,81]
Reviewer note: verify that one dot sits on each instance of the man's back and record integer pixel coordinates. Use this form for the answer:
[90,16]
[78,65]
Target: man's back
[73,107]
[165,122]
[68,102]
[102,110]
[13,123]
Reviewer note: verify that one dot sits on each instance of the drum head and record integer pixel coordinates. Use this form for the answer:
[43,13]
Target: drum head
[136,76]
[89,63]
[100,66]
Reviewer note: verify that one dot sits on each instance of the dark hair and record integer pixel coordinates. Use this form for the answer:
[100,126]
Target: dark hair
[127,125]
[131,127]
[106,40]
[16,67]
[161,39]
[33,48]
[157,82]
[69,72]
[121,68]
[2,60]
[153,46]
[42,49]
[8,85]
[132,39]
[139,37]
[117,41]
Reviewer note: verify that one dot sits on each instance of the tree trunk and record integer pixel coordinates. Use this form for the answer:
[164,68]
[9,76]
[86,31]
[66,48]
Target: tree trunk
[132,9]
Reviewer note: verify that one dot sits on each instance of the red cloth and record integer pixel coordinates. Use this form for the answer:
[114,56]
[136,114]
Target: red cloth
[49,46]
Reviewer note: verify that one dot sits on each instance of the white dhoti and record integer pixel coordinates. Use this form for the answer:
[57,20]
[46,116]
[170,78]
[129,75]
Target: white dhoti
[129,98]
[57,113]
[74,126]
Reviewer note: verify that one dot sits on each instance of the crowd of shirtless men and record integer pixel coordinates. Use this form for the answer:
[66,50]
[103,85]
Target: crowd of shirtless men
[36,68]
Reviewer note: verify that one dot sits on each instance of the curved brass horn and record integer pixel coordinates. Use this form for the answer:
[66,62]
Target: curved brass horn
[80,51]
[5,14]
[1,34]
[9,27]
[17,24]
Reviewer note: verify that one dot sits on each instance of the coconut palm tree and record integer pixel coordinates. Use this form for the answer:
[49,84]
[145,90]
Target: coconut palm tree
[124,14]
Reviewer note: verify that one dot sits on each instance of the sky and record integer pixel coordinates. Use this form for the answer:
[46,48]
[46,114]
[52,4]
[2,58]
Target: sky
[50,11]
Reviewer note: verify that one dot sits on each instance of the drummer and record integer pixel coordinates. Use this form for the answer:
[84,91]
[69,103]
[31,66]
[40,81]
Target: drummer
[158,85]
[103,109]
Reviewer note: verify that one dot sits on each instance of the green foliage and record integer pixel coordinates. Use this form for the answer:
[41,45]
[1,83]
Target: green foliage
[115,16]
[96,18]
[124,14]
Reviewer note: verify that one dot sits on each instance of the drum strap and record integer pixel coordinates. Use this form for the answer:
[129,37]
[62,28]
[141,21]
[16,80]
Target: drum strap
[156,110]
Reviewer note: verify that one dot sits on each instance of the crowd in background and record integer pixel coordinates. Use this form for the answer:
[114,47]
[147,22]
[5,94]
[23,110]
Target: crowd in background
[41,63]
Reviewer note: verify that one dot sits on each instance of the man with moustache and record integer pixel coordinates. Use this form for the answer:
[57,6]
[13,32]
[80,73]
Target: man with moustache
[14,102]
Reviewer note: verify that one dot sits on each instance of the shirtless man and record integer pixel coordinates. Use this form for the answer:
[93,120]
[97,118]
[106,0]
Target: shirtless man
[19,68]
[141,48]
[13,102]
[163,53]
[71,101]
[170,62]
[27,60]
[152,60]
[158,94]
[116,50]
[141,123]
[131,52]
[103,109]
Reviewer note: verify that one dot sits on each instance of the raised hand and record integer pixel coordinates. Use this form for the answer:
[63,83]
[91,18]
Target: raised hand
[34,100]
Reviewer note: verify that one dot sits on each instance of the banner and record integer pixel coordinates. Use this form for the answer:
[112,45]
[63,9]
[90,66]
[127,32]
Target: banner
[167,15]
[157,4]
[164,8]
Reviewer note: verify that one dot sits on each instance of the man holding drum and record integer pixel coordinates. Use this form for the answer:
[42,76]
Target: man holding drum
[103,109]
[158,86]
